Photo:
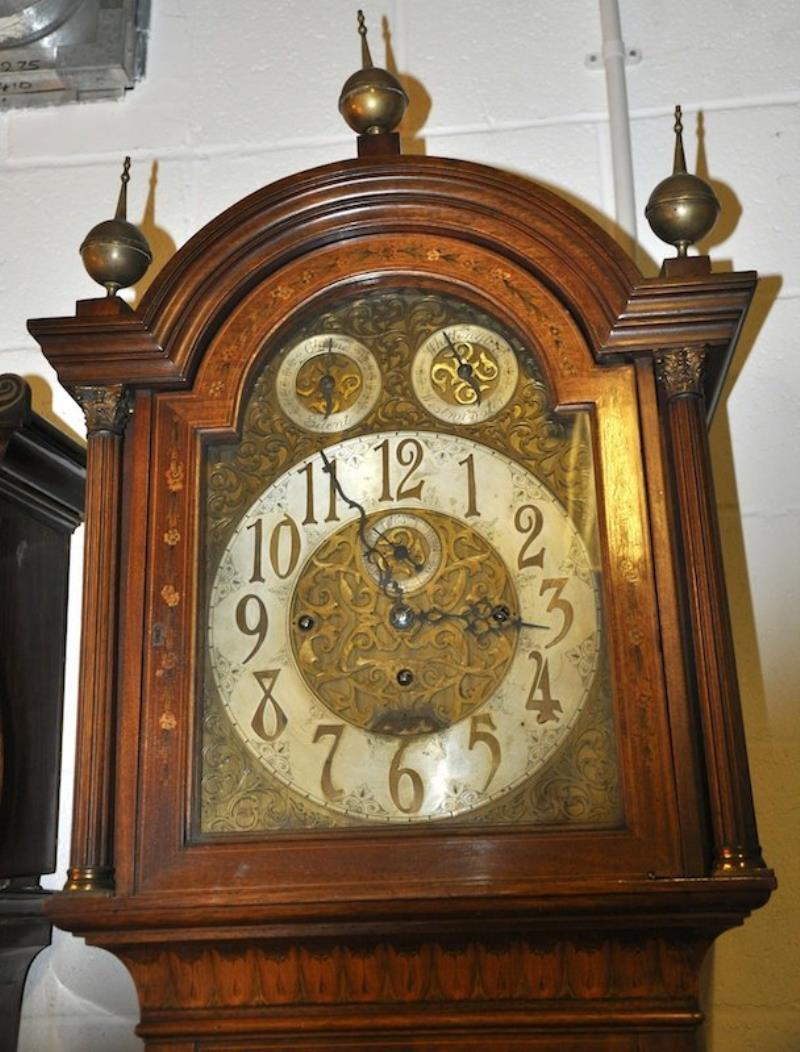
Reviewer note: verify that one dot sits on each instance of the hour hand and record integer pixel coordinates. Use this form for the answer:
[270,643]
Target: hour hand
[481,618]
[388,583]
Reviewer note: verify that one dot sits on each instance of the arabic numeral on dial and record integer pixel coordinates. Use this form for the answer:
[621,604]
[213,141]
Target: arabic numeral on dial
[258,538]
[267,679]
[309,472]
[564,606]
[478,735]
[413,781]
[408,454]
[545,704]
[282,561]
[283,564]
[529,519]
[472,495]
[329,730]
[245,624]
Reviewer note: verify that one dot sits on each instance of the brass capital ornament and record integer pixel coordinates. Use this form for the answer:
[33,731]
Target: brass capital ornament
[681,372]
[105,408]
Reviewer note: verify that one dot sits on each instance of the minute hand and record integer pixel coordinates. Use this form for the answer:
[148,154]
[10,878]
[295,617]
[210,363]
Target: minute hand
[481,618]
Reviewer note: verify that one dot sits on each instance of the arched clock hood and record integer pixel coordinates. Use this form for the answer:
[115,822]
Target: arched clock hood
[620,311]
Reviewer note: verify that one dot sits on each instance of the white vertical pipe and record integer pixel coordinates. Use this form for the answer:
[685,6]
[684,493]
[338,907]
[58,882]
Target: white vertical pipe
[619,119]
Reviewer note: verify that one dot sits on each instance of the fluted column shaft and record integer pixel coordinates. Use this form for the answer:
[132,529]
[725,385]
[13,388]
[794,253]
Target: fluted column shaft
[733,825]
[92,867]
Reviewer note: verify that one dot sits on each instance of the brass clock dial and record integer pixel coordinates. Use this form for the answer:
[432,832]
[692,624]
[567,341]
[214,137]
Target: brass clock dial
[404,621]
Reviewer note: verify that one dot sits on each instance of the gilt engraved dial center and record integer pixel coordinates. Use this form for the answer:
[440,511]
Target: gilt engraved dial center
[365,634]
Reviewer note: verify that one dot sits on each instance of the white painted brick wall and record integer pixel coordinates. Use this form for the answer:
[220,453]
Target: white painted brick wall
[242,93]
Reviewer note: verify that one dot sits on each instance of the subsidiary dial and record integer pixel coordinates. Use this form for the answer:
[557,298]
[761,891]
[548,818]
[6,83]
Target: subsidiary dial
[328,383]
[464,374]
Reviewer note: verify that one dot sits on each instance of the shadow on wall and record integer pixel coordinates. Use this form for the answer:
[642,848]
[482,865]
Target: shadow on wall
[42,401]
[754,969]
[419,101]
[730,206]
[161,244]
[67,1008]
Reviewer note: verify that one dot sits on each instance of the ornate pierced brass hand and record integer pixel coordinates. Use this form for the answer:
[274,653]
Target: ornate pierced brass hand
[388,584]
[482,618]
[327,382]
[464,370]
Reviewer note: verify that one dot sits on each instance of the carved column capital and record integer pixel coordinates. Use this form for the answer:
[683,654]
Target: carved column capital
[681,372]
[105,408]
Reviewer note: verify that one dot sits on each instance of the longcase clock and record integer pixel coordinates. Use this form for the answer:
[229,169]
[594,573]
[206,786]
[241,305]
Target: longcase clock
[409,712]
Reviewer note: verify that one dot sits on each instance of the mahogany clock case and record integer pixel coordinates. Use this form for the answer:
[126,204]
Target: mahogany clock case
[260,928]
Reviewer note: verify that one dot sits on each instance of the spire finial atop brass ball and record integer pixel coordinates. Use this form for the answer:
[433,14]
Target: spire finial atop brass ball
[122,200]
[366,58]
[372,100]
[683,208]
[679,162]
[115,252]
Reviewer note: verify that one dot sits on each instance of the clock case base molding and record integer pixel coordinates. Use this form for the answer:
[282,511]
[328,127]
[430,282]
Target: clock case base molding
[616,969]
[336,947]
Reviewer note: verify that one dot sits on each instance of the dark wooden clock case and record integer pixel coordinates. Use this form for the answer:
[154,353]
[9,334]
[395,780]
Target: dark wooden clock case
[442,939]
[42,476]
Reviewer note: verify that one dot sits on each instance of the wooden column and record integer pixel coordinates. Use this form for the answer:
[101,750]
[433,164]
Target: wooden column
[106,410]
[736,847]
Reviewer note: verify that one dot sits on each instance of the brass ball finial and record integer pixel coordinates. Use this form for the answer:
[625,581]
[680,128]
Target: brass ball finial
[115,252]
[683,208]
[372,100]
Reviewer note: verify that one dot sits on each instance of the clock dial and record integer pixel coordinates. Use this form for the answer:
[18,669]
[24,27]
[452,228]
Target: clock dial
[400,549]
[404,618]
[328,383]
[464,374]
[417,717]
